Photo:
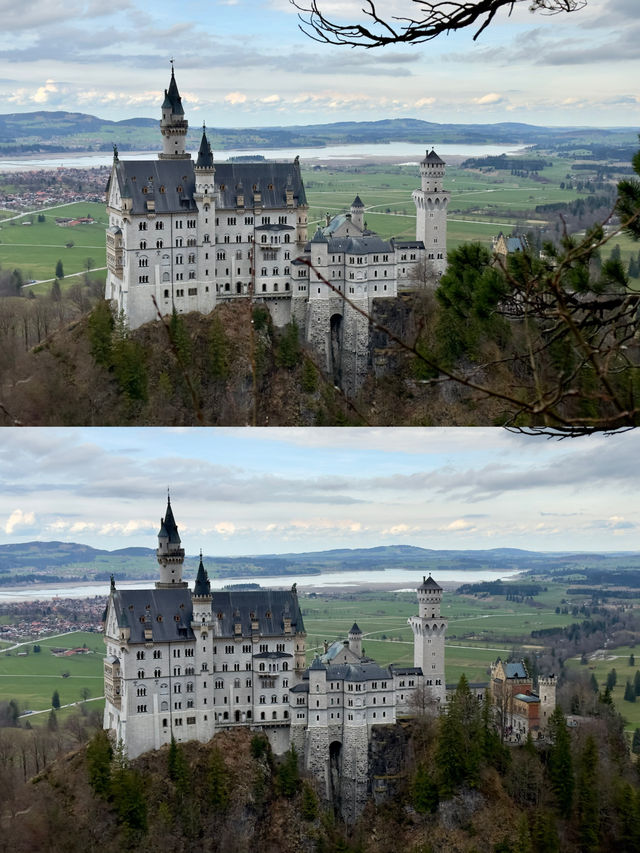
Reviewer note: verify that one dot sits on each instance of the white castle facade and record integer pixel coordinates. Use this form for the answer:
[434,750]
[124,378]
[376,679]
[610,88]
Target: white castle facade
[186,664]
[186,236]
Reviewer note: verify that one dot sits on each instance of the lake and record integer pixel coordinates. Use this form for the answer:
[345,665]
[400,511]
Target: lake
[404,578]
[413,151]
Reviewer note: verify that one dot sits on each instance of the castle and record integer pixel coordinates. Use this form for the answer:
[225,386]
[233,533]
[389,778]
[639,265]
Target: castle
[185,237]
[186,664]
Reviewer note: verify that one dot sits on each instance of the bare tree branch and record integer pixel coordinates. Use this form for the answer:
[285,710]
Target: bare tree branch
[434,19]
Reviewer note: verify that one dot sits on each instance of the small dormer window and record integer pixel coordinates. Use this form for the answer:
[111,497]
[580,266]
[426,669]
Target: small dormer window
[145,190]
[179,188]
[158,618]
[220,615]
[223,187]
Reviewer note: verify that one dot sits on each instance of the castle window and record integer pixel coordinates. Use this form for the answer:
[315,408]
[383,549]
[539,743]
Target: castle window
[143,279]
[263,700]
[159,244]
[142,226]
[157,654]
[141,673]
[143,244]
[159,226]
[139,655]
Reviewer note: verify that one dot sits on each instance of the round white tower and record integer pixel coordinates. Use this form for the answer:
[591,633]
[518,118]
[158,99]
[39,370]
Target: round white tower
[173,124]
[170,554]
[431,202]
[429,629]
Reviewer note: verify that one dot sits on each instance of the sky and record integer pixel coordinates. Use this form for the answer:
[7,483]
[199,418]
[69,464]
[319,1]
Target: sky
[245,62]
[256,491]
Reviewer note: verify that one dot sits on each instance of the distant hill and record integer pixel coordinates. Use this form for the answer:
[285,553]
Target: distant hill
[40,562]
[52,132]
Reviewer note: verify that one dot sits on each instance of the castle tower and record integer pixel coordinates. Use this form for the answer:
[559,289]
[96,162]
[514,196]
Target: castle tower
[429,629]
[355,640]
[547,694]
[170,554]
[204,168]
[173,124]
[317,742]
[201,597]
[431,202]
[357,213]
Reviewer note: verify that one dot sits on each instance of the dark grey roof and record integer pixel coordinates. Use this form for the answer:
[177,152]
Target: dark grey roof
[354,629]
[407,244]
[319,237]
[272,655]
[515,670]
[432,157]
[429,583]
[524,697]
[170,184]
[275,226]
[172,96]
[167,612]
[357,202]
[202,585]
[301,687]
[361,245]
[405,670]
[357,672]
[316,665]
[205,155]
[169,525]
[268,607]
[474,685]
[270,179]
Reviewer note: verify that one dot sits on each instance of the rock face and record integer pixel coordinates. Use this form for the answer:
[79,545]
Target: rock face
[388,749]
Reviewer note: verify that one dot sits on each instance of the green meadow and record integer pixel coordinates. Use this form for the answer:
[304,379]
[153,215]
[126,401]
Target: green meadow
[33,679]
[36,248]
[617,659]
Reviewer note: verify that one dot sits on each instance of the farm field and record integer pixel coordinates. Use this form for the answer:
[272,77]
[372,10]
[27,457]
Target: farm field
[617,659]
[35,249]
[32,679]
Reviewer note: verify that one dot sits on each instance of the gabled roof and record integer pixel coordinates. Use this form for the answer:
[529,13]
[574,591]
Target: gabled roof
[167,613]
[170,184]
[515,670]
[268,607]
[271,179]
[357,672]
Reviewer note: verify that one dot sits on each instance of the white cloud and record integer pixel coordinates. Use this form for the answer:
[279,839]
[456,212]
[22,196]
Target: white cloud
[17,519]
[490,98]
[235,98]
[225,528]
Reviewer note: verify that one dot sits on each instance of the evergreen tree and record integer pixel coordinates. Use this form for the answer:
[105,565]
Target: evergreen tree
[636,682]
[177,768]
[99,757]
[59,270]
[632,659]
[130,369]
[55,700]
[309,805]
[309,379]
[612,679]
[288,353]
[218,781]
[52,722]
[288,776]
[560,764]
[544,835]
[593,683]
[629,692]
[459,749]
[219,358]
[180,337]
[587,797]
[100,326]
[127,795]
[56,293]
[424,791]
[635,743]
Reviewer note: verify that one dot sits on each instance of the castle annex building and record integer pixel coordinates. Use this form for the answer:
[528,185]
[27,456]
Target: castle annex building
[185,236]
[187,663]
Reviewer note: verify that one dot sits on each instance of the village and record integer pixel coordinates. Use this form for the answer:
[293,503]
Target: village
[21,191]
[24,621]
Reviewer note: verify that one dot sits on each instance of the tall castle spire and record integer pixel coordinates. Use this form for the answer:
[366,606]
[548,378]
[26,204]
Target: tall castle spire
[170,554]
[173,124]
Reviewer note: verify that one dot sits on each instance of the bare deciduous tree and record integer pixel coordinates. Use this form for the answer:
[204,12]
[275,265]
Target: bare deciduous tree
[431,20]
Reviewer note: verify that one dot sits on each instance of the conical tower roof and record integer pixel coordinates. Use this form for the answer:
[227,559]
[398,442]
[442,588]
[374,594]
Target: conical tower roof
[205,155]
[202,586]
[169,525]
[172,96]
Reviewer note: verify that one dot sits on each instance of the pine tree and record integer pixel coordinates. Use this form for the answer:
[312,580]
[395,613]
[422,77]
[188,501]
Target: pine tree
[636,682]
[612,679]
[635,743]
[629,692]
[218,781]
[219,357]
[59,270]
[632,659]
[100,327]
[52,722]
[424,791]
[177,768]
[560,764]
[458,753]
[99,757]
[587,797]
[288,776]
[593,683]
[55,700]
[309,805]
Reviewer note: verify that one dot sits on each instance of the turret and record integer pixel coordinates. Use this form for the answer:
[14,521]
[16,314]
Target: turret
[204,168]
[431,202]
[201,597]
[170,554]
[429,629]
[317,711]
[355,640]
[173,124]
[357,213]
